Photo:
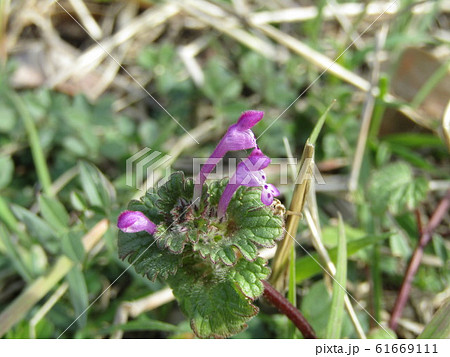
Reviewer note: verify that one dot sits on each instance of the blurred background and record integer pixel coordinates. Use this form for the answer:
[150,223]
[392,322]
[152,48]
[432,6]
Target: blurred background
[85,85]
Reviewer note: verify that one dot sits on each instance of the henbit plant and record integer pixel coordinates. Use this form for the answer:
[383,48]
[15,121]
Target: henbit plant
[203,238]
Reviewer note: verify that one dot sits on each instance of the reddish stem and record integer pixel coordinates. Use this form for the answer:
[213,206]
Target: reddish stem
[285,307]
[414,264]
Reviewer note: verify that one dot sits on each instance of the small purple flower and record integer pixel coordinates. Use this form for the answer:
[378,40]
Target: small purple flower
[135,221]
[249,173]
[239,136]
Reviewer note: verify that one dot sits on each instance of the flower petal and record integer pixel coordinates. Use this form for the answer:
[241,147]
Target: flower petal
[249,118]
[238,137]
[257,160]
[135,221]
[273,190]
[266,197]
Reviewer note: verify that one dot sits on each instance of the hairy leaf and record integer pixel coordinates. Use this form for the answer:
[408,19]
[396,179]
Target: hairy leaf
[248,275]
[146,257]
[215,307]
[211,263]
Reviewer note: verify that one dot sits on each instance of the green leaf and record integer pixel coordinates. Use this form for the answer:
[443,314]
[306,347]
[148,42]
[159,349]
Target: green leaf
[316,306]
[142,323]
[146,257]
[309,266]
[54,213]
[99,191]
[215,306]
[318,127]
[382,333]
[78,201]
[248,275]
[249,225]
[220,85]
[8,118]
[439,326]
[261,76]
[11,250]
[393,187]
[414,140]
[72,246]
[7,170]
[78,294]
[340,281]
[196,252]
[330,238]
[37,227]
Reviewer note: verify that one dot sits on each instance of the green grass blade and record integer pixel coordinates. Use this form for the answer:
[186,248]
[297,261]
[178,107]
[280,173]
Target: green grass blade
[78,294]
[319,125]
[335,322]
[54,213]
[142,323]
[35,145]
[36,290]
[307,267]
[8,218]
[428,86]
[439,326]
[14,255]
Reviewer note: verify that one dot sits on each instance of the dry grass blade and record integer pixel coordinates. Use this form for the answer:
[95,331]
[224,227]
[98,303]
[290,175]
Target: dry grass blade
[446,125]
[313,222]
[340,281]
[367,111]
[316,58]
[86,19]
[279,264]
[92,57]
[215,17]
[304,13]
[135,308]
[47,307]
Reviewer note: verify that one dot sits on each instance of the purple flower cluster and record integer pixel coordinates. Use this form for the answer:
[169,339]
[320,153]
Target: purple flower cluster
[249,172]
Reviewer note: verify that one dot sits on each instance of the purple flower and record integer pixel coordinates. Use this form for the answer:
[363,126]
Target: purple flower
[249,173]
[238,137]
[135,221]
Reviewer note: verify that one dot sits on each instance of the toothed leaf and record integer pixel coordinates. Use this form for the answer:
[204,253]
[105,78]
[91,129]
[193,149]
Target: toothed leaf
[211,263]
[248,275]
[145,256]
[214,306]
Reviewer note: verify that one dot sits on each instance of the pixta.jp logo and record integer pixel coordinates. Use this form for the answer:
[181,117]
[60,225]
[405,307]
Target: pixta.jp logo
[147,169]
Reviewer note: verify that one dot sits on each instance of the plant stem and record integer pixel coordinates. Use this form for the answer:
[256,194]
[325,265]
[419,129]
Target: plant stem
[414,264]
[284,306]
[292,292]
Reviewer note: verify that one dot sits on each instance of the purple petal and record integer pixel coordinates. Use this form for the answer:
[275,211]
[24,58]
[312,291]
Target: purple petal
[257,160]
[269,191]
[249,118]
[226,198]
[266,197]
[135,221]
[245,177]
[273,190]
[237,139]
